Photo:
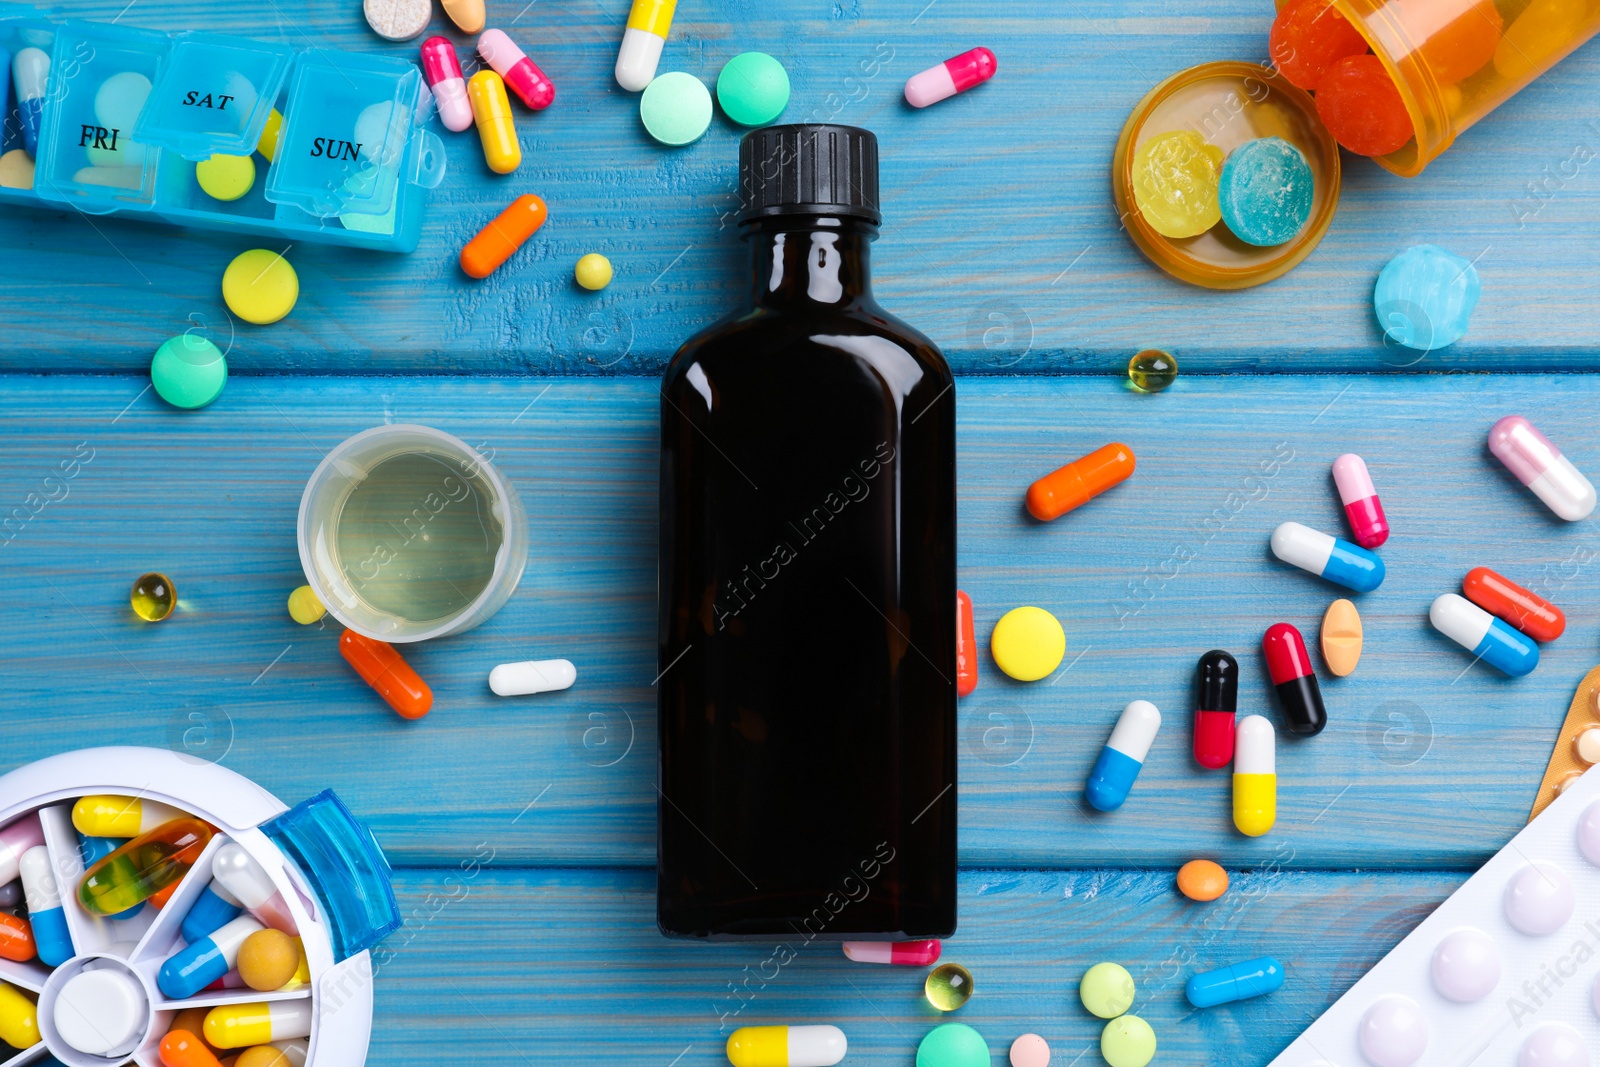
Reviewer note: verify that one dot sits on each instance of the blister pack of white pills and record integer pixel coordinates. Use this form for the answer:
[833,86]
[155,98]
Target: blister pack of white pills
[1505,973]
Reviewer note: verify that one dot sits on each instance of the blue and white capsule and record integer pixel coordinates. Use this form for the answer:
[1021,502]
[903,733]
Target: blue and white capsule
[1239,981]
[30,69]
[187,972]
[1326,556]
[45,913]
[213,909]
[95,849]
[1485,636]
[1122,757]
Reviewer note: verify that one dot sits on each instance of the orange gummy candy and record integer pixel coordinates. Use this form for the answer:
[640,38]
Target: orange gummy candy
[1308,37]
[1361,107]
[1460,47]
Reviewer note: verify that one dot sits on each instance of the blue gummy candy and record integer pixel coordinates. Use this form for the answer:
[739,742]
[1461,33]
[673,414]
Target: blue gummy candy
[1266,191]
[1425,296]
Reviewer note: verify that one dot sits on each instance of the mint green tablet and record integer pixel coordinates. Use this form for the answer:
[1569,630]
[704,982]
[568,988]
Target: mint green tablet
[188,371]
[753,89]
[676,108]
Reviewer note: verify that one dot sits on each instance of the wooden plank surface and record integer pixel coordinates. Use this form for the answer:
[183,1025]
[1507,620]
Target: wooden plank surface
[1002,242]
[1429,760]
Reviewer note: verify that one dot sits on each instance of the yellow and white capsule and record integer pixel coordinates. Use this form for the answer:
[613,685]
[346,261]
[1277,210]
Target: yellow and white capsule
[243,1025]
[1255,776]
[648,25]
[108,816]
[786,1046]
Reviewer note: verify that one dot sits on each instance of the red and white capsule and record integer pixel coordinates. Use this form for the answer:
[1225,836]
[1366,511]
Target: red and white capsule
[1359,496]
[955,75]
[443,71]
[899,953]
[522,76]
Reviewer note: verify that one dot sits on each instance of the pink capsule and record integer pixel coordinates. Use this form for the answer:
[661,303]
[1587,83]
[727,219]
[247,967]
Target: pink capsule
[443,71]
[900,953]
[518,71]
[953,76]
[1360,499]
[1540,466]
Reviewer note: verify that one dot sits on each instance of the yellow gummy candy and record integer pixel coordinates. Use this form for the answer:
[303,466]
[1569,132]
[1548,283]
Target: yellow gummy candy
[1175,178]
[1533,38]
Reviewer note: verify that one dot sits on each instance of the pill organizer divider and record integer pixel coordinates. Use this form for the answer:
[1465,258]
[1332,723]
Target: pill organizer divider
[323,862]
[353,165]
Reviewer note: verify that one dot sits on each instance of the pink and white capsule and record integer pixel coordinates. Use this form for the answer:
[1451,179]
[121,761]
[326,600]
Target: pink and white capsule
[443,71]
[900,953]
[15,839]
[1540,466]
[1359,496]
[239,873]
[954,75]
[521,75]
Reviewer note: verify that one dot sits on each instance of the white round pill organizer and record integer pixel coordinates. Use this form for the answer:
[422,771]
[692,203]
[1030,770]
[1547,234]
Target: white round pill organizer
[1504,973]
[322,861]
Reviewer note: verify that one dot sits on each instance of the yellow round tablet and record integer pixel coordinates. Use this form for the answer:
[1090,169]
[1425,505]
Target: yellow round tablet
[259,286]
[593,271]
[268,145]
[1028,643]
[226,177]
[304,607]
[16,170]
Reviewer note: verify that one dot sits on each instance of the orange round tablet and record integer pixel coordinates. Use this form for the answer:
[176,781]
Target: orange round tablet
[1202,880]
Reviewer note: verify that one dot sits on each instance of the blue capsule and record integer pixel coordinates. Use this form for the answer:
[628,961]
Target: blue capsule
[1238,981]
[45,913]
[1122,756]
[1326,556]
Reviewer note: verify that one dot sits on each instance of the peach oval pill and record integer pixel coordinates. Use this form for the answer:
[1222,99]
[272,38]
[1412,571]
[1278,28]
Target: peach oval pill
[1202,880]
[1341,637]
[1079,481]
[382,667]
[504,234]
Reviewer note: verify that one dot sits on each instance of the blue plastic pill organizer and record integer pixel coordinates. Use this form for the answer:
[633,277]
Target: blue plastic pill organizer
[353,162]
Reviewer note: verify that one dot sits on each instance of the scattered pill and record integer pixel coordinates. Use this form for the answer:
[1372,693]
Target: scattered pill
[188,371]
[1255,776]
[1202,880]
[1425,296]
[1217,678]
[16,938]
[532,676]
[153,597]
[955,75]
[1128,1042]
[899,953]
[1341,637]
[1106,989]
[19,1022]
[16,170]
[1362,508]
[237,871]
[1541,467]
[1265,192]
[1361,107]
[1152,370]
[225,177]
[966,647]
[468,15]
[397,20]
[952,1045]
[497,130]
[30,69]
[267,959]
[442,68]
[1079,482]
[1326,556]
[676,108]
[521,75]
[1028,643]
[1553,1045]
[243,1025]
[948,986]
[649,22]
[211,910]
[1308,37]
[1465,966]
[787,1046]
[267,145]
[382,667]
[105,815]
[1122,756]
[196,965]
[259,286]
[1485,636]
[46,916]
[1175,177]
[304,607]
[1237,981]
[180,1048]
[753,89]
[143,867]
[593,272]
[1030,1050]
[504,234]
[1522,608]
[1294,678]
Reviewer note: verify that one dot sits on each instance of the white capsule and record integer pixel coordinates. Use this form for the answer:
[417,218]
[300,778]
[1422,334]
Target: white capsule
[532,676]
[1254,746]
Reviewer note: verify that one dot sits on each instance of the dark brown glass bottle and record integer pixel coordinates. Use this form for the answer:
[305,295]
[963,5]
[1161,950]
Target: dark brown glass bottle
[807,583]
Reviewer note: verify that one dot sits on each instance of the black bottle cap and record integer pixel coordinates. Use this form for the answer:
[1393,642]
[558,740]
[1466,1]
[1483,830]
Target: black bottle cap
[809,170]
[1218,675]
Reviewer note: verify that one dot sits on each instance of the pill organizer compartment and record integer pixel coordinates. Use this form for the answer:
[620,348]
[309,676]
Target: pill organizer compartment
[213,94]
[20,27]
[324,864]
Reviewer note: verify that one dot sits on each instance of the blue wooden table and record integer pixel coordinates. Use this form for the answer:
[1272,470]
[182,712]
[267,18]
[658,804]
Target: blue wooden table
[1002,244]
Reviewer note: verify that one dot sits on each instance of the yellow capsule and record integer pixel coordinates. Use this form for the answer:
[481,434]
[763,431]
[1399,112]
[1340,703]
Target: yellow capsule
[1255,777]
[491,110]
[243,1025]
[108,816]
[19,1022]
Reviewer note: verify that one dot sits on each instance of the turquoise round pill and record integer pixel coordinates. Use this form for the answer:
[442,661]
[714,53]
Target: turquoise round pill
[676,108]
[753,89]
[1425,296]
[953,1045]
[1128,1042]
[1265,191]
[188,371]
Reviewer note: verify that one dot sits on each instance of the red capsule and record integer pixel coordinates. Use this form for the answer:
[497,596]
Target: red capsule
[966,647]
[1522,608]
[1296,681]
[1218,678]
[899,953]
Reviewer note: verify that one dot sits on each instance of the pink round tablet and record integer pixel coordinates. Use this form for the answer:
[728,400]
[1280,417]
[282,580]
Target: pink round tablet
[1030,1050]
[1589,833]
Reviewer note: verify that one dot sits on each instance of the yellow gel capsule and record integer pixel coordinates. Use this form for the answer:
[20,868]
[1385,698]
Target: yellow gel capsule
[1175,178]
[143,867]
[491,110]
[19,1022]
[109,816]
[243,1025]
[268,145]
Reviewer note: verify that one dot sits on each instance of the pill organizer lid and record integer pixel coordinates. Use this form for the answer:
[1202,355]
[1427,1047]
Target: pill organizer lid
[210,67]
[319,167]
[343,862]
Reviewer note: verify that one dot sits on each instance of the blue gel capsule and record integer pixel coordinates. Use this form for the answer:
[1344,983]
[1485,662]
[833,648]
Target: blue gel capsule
[95,849]
[1485,636]
[1239,981]
[1265,192]
[196,966]
[1326,556]
[1123,755]
[212,910]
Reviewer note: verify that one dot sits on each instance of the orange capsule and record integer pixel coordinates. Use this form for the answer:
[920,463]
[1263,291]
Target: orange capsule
[503,236]
[382,667]
[180,1048]
[1079,482]
[1522,608]
[16,938]
[966,647]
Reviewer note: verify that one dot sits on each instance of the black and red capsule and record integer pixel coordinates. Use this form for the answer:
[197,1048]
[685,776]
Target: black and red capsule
[1217,676]
[1292,675]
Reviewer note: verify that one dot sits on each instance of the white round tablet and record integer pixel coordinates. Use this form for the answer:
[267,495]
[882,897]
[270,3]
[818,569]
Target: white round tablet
[1589,833]
[119,100]
[1553,1045]
[1393,1033]
[101,1011]
[397,20]
[1466,965]
[1539,899]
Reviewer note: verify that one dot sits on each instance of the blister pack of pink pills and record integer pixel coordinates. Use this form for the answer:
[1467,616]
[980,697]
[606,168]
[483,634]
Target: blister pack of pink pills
[1505,973]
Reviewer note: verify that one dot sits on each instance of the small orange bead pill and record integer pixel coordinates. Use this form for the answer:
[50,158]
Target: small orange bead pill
[1522,608]
[180,1048]
[966,646]
[16,938]
[382,667]
[1079,481]
[1202,880]
[503,236]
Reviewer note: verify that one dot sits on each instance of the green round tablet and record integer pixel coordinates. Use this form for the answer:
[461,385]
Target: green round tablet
[953,1045]
[188,371]
[1128,1042]
[1107,990]
[676,108]
[753,89]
